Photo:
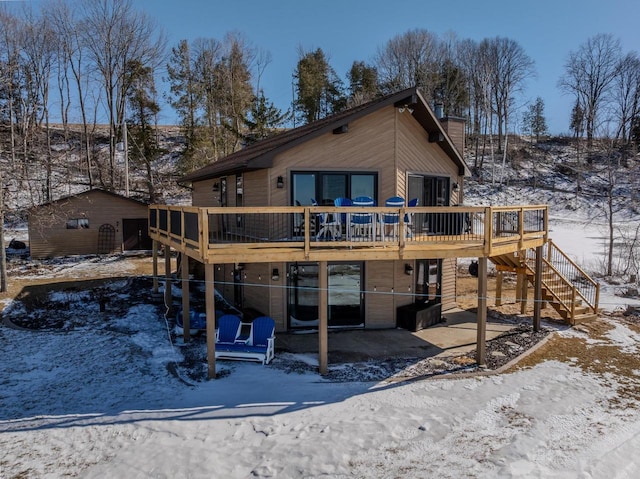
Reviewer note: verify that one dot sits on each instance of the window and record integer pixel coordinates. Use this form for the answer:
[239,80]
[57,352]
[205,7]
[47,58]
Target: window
[78,224]
[326,186]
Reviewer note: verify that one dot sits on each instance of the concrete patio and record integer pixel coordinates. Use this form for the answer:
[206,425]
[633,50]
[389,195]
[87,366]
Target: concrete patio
[456,335]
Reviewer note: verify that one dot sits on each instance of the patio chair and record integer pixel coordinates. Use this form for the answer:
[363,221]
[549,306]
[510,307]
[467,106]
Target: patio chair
[259,347]
[408,217]
[391,221]
[197,322]
[228,329]
[329,224]
[362,224]
[343,218]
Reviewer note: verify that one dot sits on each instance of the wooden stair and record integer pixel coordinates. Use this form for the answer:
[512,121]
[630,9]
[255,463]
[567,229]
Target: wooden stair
[565,286]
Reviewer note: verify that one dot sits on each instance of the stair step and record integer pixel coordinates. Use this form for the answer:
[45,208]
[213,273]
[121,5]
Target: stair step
[584,318]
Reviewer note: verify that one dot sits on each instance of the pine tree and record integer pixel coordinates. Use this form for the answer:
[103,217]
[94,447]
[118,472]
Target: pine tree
[319,90]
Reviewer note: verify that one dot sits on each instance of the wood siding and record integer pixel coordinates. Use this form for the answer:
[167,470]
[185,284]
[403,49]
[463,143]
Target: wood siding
[416,155]
[449,266]
[48,233]
[367,146]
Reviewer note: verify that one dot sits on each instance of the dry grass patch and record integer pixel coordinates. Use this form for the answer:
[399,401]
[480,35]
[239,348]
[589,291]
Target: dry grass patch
[594,354]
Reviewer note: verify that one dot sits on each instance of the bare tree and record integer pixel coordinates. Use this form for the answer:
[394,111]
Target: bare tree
[408,60]
[589,73]
[38,50]
[67,25]
[626,95]
[116,34]
[512,66]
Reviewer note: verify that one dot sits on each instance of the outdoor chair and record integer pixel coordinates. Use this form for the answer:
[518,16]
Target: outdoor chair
[197,322]
[259,347]
[343,218]
[329,224]
[228,329]
[391,221]
[362,224]
[408,217]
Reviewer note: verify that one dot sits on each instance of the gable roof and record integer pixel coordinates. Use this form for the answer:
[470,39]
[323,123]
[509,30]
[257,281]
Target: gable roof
[89,193]
[260,155]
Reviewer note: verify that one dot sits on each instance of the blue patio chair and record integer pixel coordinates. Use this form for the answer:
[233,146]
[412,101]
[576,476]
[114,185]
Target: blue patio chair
[391,221]
[362,224]
[342,202]
[228,329]
[197,322]
[262,336]
[327,224]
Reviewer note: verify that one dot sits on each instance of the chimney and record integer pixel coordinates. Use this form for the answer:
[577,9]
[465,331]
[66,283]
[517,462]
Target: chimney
[454,127]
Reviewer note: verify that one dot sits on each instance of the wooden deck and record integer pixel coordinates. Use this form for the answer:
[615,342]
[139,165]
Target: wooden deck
[273,234]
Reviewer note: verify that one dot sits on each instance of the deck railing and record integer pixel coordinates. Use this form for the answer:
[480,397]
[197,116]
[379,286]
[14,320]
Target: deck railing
[205,229]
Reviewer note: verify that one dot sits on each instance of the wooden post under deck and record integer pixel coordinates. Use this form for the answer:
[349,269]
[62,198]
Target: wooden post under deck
[210,311]
[154,254]
[499,281]
[481,347]
[524,293]
[186,320]
[323,335]
[168,299]
[537,296]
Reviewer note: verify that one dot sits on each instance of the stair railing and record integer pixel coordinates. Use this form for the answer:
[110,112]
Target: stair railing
[582,286]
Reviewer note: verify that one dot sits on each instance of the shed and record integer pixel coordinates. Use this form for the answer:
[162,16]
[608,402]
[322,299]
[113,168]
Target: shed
[92,222]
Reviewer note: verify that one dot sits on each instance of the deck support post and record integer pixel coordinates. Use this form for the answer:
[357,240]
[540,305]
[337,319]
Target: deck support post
[323,335]
[499,281]
[154,254]
[210,311]
[168,299]
[481,346]
[524,291]
[537,296]
[186,320]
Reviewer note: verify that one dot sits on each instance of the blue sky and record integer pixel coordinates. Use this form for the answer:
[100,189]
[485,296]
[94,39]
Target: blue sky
[349,30]
[352,30]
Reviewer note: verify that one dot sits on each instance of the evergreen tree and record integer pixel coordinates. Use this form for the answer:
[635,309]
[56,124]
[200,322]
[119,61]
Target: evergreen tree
[319,90]
[263,119]
[143,109]
[534,120]
[363,83]
[184,98]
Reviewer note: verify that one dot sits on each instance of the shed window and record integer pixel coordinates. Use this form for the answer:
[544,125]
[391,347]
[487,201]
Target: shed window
[78,224]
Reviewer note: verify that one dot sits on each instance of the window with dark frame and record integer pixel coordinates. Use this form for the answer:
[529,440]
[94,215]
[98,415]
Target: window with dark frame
[78,223]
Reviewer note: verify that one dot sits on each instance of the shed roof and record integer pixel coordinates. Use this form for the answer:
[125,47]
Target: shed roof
[261,154]
[89,193]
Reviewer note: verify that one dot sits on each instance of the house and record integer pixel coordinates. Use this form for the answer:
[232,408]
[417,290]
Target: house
[267,229]
[93,222]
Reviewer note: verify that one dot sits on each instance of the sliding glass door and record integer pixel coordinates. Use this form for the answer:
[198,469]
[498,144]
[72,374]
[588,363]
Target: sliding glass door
[345,308]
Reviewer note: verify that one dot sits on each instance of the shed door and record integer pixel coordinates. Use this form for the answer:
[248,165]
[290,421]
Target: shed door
[135,234]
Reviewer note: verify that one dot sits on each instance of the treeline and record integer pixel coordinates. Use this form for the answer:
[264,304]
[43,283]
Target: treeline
[96,62]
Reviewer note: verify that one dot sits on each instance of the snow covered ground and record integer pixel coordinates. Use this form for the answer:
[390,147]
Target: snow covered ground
[100,399]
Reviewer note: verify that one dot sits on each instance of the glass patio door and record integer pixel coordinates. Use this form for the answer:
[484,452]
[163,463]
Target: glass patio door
[345,298]
[345,295]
